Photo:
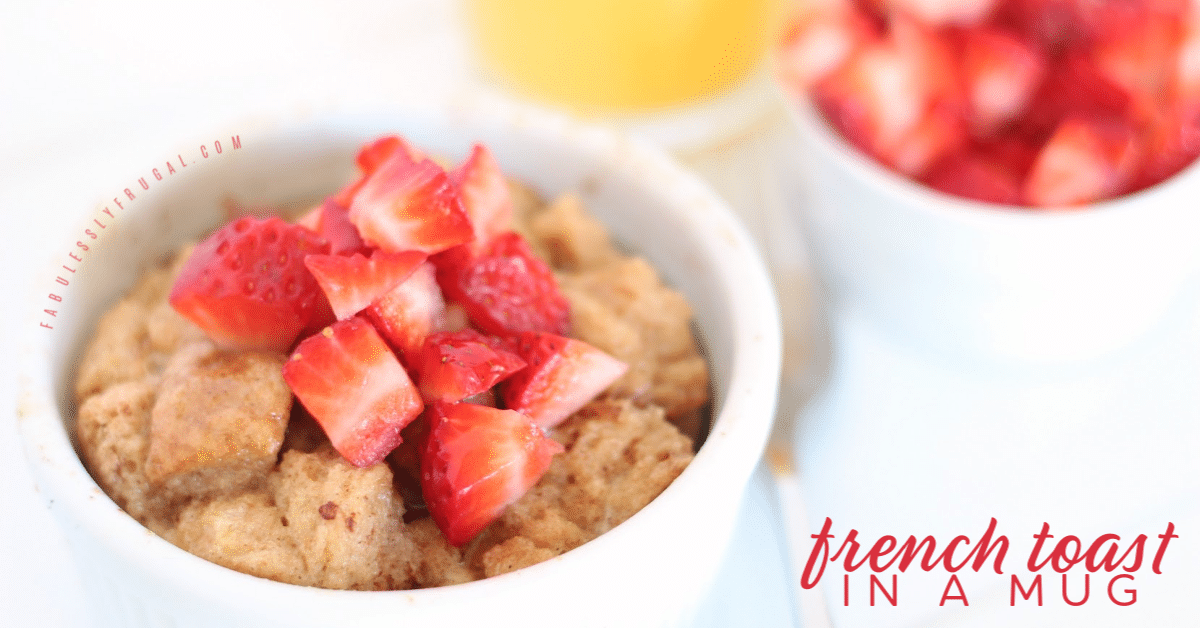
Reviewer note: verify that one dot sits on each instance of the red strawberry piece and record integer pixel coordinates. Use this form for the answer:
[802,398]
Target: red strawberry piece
[505,290]
[1173,143]
[334,225]
[873,99]
[311,219]
[1185,89]
[345,196]
[247,287]
[1141,57]
[354,282]
[1010,153]
[455,365]
[819,40]
[410,311]
[941,131]
[375,154]
[353,385]
[1084,161]
[886,89]
[1073,87]
[478,460]
[321,318]
[943,12]
[562,376]
[405,206]
[1002,74]
[969,176]
[875,11]
[1052,25]
[1115,19]
[932,53]
[485,196]
[1058,25]
[323,315]
[370,157]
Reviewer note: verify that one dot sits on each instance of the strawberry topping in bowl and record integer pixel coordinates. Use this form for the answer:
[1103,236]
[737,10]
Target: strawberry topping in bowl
[1103,95]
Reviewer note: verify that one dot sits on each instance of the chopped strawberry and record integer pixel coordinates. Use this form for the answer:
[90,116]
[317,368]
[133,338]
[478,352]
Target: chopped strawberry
[410,312]
[478,460]
[1092,88]
[970,176]
[1052,25]
[370,157]
[354,386]
[1084,161]
[874,99]
[375,154]
[886,90]
[1173,143]
[1010,153]
[821,38]
[1002,73]
[333,224]
[562,376]
[485,196]
[505,290]
[247,287]
[322,316]
[941,131]
[943,12]
[311,219]
[354,282]
[1074,87]
[455,365]
[404,206]
[1136,58]
[345,196]
[928,50]
[1105,21]
[1185,89]
[1060,25]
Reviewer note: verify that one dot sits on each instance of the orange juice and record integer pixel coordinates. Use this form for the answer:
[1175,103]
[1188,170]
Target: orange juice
[621,54]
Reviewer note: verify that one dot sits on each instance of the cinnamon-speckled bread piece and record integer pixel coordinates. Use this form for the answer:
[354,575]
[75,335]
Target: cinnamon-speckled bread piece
[135,337]
[244,532]
[348,522]
[572,239]
[113,427]
[441,563]
[218,421]
[320,522]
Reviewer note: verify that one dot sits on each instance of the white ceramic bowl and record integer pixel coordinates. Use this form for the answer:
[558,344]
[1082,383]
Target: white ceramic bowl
[981,280]
[650,570]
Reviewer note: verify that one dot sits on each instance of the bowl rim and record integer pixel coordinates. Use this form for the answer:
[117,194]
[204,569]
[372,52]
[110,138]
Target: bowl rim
[753,374]
[920,198]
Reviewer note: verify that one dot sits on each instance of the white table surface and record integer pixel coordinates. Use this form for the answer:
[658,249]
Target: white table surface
[93,95]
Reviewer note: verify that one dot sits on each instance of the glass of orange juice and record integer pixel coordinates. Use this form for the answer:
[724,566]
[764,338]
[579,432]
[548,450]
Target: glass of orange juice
[601,56]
